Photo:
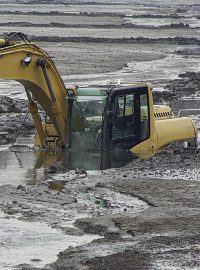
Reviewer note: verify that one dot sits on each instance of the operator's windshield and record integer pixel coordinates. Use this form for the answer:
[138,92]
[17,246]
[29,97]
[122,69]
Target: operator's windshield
[91,107]
[88,110]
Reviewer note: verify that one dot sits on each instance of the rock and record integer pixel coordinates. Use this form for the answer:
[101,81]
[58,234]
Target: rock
[97,201]
[20,187]
[112,233]
[36,260]
[52,169]
[14,202]
[23,266]
[80,171]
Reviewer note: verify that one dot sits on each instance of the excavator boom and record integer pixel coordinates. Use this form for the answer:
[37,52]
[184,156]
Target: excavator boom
[34,69]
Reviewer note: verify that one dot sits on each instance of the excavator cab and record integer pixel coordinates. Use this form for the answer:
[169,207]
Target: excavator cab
[112,118]
[109,117]
[126,118]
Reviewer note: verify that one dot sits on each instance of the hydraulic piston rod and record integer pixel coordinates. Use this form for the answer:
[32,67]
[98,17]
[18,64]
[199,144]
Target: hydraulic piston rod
[33,109]
[41,63]
[56,108]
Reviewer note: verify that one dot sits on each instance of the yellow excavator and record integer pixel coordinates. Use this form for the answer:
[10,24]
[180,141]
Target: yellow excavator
[95,117]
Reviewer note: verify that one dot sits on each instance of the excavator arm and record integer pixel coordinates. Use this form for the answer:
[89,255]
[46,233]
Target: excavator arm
[34,69]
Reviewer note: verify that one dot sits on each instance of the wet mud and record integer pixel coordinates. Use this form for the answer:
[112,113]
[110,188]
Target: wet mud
[144,215]
[12,114]
[157,236]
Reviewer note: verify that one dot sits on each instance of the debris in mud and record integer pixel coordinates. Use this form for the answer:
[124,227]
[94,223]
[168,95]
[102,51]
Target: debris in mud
[55,168]
[162,96]
[189,51]
[9,105]
[24,266]
[187,84]
[174,164]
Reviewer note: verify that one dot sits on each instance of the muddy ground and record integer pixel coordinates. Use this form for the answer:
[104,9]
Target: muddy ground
[144,215]
[163,233]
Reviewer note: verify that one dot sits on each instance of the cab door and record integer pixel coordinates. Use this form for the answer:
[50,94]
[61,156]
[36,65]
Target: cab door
[126,121]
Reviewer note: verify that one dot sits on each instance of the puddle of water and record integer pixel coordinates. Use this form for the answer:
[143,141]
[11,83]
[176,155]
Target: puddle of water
[192,21]
[166,68]
[27,167]
[112,202]
[18,168]
[33,243]
[155,71]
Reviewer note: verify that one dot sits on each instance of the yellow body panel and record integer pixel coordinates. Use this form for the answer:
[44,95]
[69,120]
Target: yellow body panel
[164,129]
[162,112]
[168,130]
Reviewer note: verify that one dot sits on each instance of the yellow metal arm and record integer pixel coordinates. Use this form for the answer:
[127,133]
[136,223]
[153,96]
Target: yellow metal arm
[33,109]
[35,70]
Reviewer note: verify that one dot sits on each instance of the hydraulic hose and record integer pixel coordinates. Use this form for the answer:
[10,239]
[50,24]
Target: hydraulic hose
[41,63]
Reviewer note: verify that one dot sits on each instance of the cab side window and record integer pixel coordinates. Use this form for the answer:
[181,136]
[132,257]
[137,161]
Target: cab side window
[123,121]
[144,117]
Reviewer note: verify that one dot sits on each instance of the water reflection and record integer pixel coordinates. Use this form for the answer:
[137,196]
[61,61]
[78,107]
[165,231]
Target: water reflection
[96,160]
[28,167]
[29,242]
[17,168]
